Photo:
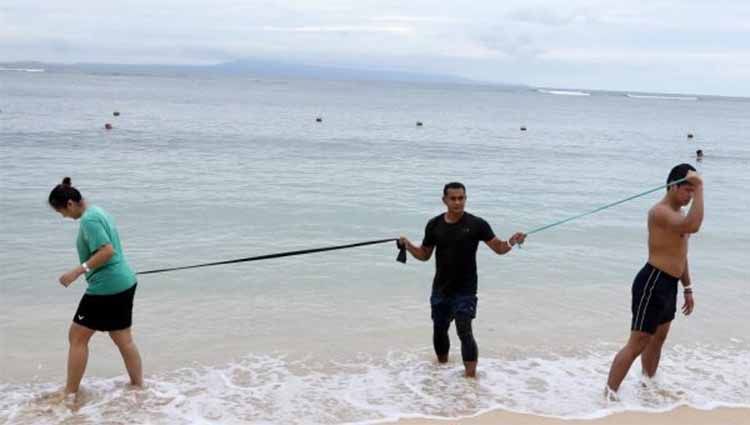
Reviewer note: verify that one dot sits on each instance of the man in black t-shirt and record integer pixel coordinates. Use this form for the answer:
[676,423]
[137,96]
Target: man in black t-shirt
[456,235]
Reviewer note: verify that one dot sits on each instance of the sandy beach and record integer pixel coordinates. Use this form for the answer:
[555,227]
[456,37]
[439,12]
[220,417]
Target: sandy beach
[681,416]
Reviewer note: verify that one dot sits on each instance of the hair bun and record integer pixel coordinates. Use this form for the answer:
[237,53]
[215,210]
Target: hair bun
[66,181]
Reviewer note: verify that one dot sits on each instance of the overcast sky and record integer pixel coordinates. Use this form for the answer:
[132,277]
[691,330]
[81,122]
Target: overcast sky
[688,46]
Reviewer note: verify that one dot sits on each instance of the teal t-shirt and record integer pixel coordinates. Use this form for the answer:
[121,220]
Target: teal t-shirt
[97,229]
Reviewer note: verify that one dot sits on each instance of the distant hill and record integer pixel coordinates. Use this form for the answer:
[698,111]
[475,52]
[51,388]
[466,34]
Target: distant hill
[294,70]
[250,67]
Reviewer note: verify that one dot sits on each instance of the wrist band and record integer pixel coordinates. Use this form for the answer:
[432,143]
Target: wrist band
[86,267]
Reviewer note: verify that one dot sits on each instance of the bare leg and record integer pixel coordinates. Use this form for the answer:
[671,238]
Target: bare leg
[124,341]
[652,353]
[625,358]
[78,356]
[471,369]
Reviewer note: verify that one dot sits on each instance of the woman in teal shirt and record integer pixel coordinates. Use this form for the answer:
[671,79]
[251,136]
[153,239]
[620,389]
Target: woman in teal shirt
[107,305]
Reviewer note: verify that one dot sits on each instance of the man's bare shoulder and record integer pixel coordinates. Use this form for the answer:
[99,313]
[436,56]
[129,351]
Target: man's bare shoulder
[661,214]
[661,210]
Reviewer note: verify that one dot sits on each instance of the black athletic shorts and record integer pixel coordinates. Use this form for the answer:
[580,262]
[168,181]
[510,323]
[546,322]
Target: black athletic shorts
[654,299]
[446,308]
[106,312]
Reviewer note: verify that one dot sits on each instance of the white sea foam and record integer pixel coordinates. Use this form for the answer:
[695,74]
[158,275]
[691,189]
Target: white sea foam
[2,68]
[276,390]
[660,97]
[564,92]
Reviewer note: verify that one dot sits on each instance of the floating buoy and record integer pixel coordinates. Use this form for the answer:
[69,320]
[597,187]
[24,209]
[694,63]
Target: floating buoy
[117,114]
[318,119]
[523,128]
[419,123]
[690,135]
[108,126]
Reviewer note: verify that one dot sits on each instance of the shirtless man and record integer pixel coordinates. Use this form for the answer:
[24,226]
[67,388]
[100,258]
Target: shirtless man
[654,291]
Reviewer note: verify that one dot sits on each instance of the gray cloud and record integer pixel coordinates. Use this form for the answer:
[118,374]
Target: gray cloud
[538,42]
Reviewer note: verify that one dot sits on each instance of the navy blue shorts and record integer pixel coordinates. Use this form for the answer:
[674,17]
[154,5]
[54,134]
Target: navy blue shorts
[445,308]
[654,299]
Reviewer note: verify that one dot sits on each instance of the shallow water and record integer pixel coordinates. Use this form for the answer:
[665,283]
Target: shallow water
[201,169]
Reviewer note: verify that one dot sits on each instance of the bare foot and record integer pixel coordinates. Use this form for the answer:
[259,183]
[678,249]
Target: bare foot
[74,401]
[133,387]
[52,397]
[610,395]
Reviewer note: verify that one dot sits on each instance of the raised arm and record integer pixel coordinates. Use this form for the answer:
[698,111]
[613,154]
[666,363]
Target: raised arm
[673,220]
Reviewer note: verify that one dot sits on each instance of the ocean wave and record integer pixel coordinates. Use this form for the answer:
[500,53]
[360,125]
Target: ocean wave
[564,92]
[22,69]
[660,97]
[272,389]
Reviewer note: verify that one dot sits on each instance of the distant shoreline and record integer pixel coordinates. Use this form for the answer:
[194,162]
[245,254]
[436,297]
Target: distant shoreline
[268,70]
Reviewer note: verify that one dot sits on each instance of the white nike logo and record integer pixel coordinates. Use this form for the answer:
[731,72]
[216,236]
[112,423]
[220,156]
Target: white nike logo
[80,317]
